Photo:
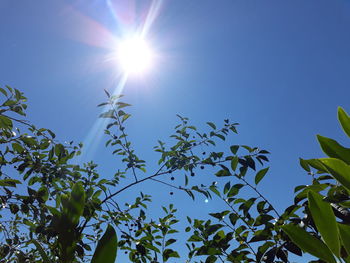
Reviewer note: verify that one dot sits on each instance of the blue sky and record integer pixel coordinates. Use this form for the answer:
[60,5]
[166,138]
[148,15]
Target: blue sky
[279,68]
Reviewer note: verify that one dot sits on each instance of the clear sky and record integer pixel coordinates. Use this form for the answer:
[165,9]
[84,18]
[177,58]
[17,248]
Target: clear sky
[279,68]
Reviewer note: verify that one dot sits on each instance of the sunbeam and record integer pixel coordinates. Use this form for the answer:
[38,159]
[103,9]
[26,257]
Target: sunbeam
[128,50]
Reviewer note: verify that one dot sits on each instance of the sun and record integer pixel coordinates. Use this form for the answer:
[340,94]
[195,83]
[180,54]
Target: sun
[135,56]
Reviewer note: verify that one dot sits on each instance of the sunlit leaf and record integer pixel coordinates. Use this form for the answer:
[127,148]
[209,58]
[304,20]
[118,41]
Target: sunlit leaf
[325,221]
[333,149]
[338,169]
[344,120]
[308,243]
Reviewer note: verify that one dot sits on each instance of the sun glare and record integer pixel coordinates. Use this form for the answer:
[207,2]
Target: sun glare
[135,56]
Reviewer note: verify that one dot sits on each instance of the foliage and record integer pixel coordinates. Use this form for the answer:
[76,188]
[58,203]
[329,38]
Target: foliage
[324,231]
[54,210]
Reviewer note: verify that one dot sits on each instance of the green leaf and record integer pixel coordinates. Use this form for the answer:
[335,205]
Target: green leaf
[315,163]
[106,250]
[107,93]
[214,189]
[17,147]
[333,149]
[212,125]
[169,253]
[122,105]
[5,122]
[344,231]
[227,187]
[43,193]
[235,190]
[42,252]
[107,114]
[260,175]
[314,187]
[211,259]
[344,120]
[9,182]
[234,148]
[325,221]
[234,163]
[338,169]
[170,241]
[76,202]
[304,164]
[223,172]
[3,92]
[308,243]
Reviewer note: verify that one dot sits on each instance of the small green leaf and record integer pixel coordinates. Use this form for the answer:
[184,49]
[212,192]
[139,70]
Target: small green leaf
[308,243]
[9,182]
[43,193]
[227,187]
[260,175]
[169,253]
[107,114]
[344,120]
[223,172]
[3,92]
[304,164]
[325,221]
[212,125]
[170,241]
[122,105]
[338,169]
[5,122]
[234,148]
[107,93]
[214,189]
[235,190]
[234,163]
[333,149]
[106,250]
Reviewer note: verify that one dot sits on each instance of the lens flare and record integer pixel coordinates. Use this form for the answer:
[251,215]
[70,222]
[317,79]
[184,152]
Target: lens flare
[135,56]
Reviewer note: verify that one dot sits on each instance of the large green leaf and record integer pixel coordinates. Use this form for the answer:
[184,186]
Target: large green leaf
[106,250]
[338,169]
[344,231]
[76,202]
[333,149]
[315,163]
[308,243]
[325,221]
[344,120]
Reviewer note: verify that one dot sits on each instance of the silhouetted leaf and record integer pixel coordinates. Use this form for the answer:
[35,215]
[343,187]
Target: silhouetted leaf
[212,125]
[9,182]
[42,252]
[106,250]
[344,231]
